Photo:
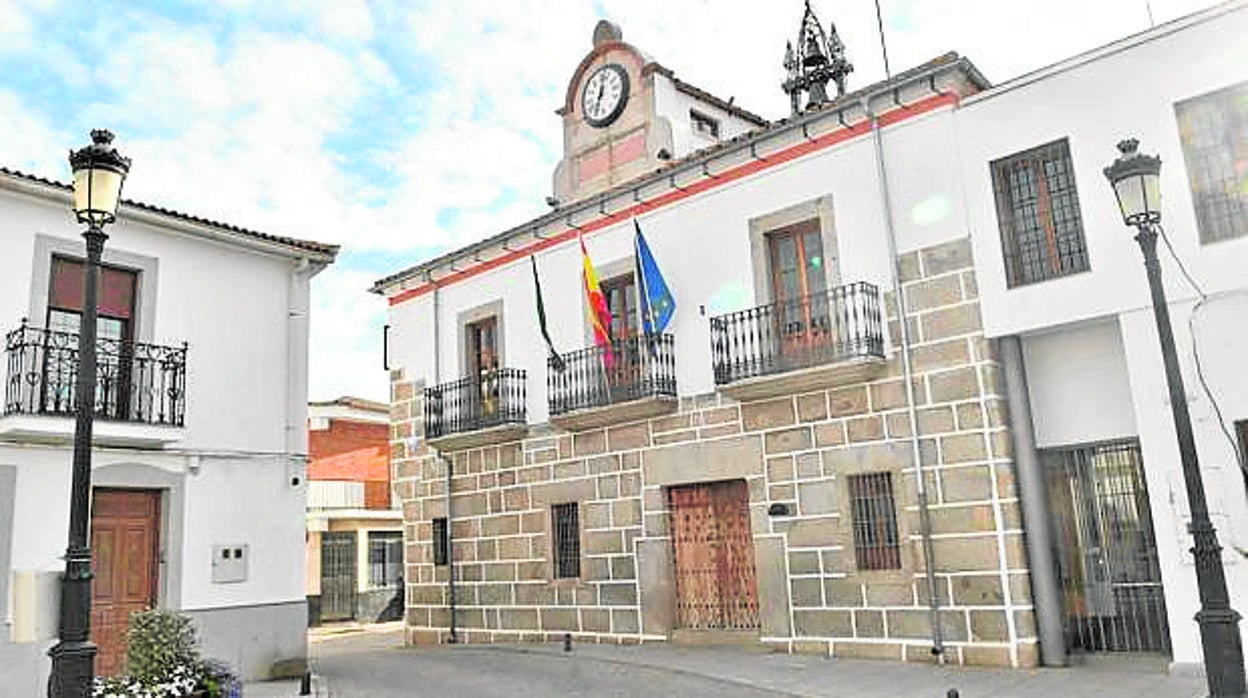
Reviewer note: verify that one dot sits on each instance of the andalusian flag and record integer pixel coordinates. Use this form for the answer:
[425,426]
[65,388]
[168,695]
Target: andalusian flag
[555,360]
[599,313]
[657,303]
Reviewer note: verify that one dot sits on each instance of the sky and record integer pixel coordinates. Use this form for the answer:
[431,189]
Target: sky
[401,129]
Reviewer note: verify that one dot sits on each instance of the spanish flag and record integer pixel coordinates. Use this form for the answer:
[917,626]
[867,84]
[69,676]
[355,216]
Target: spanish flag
[599,313]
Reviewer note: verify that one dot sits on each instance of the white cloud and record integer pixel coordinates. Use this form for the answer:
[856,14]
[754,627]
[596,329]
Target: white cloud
[248,125]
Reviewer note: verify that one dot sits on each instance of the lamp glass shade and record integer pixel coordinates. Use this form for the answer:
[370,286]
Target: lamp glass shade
[97,192]
[1139,197]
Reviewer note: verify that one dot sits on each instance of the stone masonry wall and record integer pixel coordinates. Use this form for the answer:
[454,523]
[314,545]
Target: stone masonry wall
[809,443]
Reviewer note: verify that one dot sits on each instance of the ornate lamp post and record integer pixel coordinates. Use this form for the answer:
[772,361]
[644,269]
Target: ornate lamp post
[1135,178]
[99,171]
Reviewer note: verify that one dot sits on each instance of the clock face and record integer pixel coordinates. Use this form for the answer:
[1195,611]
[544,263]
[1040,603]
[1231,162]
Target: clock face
[604,95]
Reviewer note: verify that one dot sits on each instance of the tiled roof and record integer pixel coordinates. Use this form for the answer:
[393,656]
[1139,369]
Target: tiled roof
[295,243]
[358,403]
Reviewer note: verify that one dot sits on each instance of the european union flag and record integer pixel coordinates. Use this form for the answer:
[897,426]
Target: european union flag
[657,303]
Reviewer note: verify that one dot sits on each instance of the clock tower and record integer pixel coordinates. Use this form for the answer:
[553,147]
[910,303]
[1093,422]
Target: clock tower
[625,115]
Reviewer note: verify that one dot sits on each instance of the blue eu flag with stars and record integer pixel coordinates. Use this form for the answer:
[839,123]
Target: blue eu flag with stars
[657,303]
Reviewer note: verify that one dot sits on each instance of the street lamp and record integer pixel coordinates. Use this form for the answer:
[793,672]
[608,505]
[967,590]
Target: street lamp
[99,171]
[1135,178]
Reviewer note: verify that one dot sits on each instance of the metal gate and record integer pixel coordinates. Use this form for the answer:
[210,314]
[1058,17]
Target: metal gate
[1107,554]
[714,553]
[338,565]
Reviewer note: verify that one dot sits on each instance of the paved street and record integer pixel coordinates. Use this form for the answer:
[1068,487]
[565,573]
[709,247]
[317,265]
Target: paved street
[374,664]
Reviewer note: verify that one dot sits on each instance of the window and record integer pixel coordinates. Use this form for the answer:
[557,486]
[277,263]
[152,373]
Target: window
[620,293]
[385,558]
[115,289]
[703,124]
[799,282]
[441,541]
[1213,129]
[567,540]
[482,338]
[874,516]
[482,346]
[1038,212]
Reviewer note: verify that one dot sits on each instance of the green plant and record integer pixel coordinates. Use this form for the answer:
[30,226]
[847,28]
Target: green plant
[160,642]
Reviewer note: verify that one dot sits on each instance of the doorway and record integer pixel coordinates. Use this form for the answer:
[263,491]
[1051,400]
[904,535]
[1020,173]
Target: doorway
[713,549]
[338,566]
[125,552]
[1106,551]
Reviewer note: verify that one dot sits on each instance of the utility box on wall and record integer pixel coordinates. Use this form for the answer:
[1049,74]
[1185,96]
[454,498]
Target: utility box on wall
[229,563]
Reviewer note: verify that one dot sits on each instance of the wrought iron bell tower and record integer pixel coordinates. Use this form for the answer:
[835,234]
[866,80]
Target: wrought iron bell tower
[819,58]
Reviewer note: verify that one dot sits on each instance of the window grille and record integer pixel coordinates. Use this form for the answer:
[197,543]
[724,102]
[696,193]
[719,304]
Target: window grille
[876,543]
[1038,213]
[385,558]
[441,542]
[566,524]
[1213,129]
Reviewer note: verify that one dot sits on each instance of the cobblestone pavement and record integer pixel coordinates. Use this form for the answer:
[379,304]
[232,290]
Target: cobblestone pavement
[374,664]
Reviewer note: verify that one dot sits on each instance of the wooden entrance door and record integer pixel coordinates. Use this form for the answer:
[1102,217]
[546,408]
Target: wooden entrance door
[125,549]
[714,553]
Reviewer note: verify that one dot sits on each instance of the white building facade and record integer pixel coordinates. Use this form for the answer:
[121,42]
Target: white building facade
[786,414]
[199,443]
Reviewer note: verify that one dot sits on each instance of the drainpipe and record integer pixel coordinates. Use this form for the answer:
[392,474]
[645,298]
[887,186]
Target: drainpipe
[1033,496]
[450,550]
[899,302]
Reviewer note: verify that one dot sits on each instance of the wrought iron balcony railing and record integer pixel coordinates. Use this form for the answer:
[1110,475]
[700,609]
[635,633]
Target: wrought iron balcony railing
[629,369]
[840,324]
[135,382]
[491,399]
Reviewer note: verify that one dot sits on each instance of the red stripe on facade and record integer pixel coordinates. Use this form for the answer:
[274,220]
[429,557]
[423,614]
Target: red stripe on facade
[731,175]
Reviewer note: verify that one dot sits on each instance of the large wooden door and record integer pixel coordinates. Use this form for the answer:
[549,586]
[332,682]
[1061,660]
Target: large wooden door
[716,587]
[125,545]
[799,285]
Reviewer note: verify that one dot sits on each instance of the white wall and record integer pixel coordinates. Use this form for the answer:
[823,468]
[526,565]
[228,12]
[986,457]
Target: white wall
[702,246]
[1080,393]
[228,304]
[675,105]
[1077,377]
[229,479]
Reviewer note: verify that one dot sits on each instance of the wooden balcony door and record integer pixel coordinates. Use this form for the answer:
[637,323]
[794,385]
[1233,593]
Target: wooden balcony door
[626,363]
[799,287]
[483,364]
[716,587]
[125,552]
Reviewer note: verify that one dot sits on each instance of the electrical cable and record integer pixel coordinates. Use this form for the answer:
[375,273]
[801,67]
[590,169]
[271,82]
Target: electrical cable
[1191,330]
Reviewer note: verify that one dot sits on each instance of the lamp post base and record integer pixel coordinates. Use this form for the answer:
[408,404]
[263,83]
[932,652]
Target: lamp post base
[73,669]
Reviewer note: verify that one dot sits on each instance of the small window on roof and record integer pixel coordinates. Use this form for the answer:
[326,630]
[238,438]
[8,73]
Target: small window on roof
[703,124]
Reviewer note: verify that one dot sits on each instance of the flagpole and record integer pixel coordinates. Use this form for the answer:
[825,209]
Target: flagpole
[642,300]
[602,358]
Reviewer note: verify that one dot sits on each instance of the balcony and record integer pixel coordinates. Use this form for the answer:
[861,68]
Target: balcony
[632,379]
[819,341]
[140,396]
[477,410]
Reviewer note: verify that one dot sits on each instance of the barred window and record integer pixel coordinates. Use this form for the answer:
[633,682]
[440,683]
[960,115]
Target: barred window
[441,541]
[565,522]
[1038,213]
[1213,129]
[385,558]
[874,516]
